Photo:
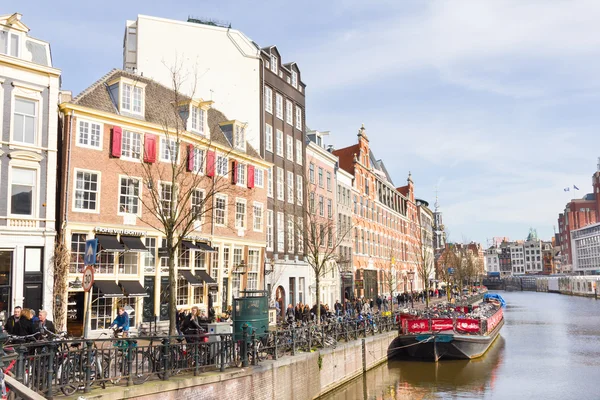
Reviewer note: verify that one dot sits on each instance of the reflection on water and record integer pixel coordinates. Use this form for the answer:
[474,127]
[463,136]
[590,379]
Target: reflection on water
[549,348]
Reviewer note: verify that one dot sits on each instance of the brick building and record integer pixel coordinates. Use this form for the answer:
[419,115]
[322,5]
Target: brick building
[116,131]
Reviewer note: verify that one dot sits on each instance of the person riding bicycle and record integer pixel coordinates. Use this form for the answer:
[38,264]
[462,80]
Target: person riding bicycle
[121,323]
[191,326]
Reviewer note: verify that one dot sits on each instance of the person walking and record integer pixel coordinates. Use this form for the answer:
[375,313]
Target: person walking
[191,326]
[379,303]
[338,308]
[26,322]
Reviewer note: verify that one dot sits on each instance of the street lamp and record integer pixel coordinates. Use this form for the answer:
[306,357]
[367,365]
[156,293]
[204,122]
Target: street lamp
[269,266]
[411,275]
[241,267]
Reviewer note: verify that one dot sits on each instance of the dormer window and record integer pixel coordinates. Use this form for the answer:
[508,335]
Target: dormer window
[132,98]
[274,64]
[295,79]
[197,120]
[9,43]
[239,138]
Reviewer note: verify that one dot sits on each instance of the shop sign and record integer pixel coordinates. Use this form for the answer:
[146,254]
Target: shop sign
[359,284]
[111,231]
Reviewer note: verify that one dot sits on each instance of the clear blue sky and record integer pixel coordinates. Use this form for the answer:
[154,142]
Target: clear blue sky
[493,102]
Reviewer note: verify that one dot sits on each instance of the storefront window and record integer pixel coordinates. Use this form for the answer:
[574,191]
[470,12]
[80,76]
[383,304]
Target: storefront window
[105,262]
[214,265]
[200,260]
[77,252]
[101,311]
[198,292]
[128,263]
[150,256]
[182,292]
[253,268]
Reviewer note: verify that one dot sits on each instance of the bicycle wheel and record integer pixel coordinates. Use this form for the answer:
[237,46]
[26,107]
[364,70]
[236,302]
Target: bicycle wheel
[142,367]
[67,377]
[115,368]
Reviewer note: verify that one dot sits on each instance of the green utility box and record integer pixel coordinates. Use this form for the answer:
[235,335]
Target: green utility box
[251,309]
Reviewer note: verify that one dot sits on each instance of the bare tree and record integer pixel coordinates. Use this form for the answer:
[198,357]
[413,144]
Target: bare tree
[387,265]
[179,194]
[60,262]
[422,252]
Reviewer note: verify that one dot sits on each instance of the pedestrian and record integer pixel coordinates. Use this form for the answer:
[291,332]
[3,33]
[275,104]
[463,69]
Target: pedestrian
[45,325]
[338,308]
[306,313]
[379,303]
[13,325]
[26,322]
[289,314]
[191,326]
[385,304]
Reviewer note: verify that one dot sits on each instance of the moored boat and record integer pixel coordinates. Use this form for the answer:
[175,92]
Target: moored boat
[462,337]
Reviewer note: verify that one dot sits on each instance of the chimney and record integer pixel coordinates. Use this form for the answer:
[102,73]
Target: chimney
[330,148]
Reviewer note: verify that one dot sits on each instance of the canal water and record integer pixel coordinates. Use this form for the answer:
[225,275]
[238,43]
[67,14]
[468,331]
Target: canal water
[549,348]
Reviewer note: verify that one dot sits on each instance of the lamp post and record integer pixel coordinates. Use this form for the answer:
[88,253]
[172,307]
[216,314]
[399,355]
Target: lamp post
[411,275]
[394,284]
[269,268]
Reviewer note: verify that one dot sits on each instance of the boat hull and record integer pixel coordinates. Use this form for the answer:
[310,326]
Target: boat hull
[452,346]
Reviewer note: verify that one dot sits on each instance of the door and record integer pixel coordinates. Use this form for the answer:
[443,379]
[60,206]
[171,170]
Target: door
[33,296]
[6,257]
[33,290]
[148,313]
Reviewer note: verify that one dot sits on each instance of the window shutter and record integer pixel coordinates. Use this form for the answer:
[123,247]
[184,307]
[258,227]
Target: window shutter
[116,141]
[210,163]
[234,172]
[250,176]
[190,164]
[149,148]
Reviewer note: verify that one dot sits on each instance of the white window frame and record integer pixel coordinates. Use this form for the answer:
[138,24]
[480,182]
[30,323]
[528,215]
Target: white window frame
[279,143]
[173,193]
[201,219]
[290,147]
[279,106]
[269,236]
[199,160]
[290,233]
[268,138]
[300,231]
[123,84]
[259,177]
[25,93]
[163,143]
[299,191]
[239,137]
[280,184]
[90,124]
[98,192]
[274,61]
[139,205]
[35,197]
[299,160]
[289,112]
[126,154]
[244,224]
[199,119]
[260,220]
[268,100]
[290,187]
[270,182]
[221,165]
[298,118]
[224,198]
[295,79]
[241,174]
[280,232]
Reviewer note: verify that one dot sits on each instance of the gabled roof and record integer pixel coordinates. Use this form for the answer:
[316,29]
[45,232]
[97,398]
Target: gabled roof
[346,157]
[13,21]
[158,108]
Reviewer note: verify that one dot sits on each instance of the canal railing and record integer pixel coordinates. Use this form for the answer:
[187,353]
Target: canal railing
[62,367]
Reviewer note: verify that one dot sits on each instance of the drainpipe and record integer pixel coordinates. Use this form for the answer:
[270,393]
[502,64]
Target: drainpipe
[66,202]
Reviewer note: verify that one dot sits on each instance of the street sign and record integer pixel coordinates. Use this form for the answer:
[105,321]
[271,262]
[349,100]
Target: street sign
[451,271]
[91,247]
[88,278]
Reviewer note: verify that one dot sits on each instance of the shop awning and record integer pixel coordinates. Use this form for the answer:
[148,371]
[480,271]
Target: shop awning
[191,278]
[110,243]
[133,289]
[108,289]
[205,278]
[189,245]
[133,243]
[205,247]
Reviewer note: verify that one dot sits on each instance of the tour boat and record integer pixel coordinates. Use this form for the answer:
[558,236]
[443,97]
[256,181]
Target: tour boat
[446,338]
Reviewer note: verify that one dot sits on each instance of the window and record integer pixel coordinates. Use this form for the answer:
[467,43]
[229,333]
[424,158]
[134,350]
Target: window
[289,112]
[166,197]
[132,98]
[23,191]
[295,79]
[298,152]
[270,230]
[240,213]
[129,196]
[197,204]
[268,138]
[237,259]
[311,172]
[259,177]
[150,256]
[25,121]
[9,47]
[279,143]
[214,265]
[168,150]
[300,231]
[290,148]
[270,182]
[321,206]
[320,177]
[77,252]
[290,187]
[329,209]
[101,313]
[182,291]
[105,261]
[220,209]
[268,100]
[239,139]
[86,190]
[311,202]
[241,174]
[131,145]
[197,120]
[273,63]
[257,223]
[198,160]
[280,232]
[329,181]
[298,118]
[291,234]
[128,263]
[280,191]
[278,106]
[299,192]
[89,134]
[222,167]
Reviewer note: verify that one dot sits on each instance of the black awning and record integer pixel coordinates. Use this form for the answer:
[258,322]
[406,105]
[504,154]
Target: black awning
[133,289]
[205,247]
[191,278]
[108,289]
[133,243]
[110,243]
[189,245]
[204,277]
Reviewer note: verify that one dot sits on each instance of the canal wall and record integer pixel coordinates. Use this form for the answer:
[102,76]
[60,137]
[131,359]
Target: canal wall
[304,376]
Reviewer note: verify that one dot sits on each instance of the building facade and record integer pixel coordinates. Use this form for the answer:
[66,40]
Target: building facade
[344,223]
[29,94]
[283,144]
[121,138]
[492,260]
[585,243]
[426,221]
[504,260]
[533,253]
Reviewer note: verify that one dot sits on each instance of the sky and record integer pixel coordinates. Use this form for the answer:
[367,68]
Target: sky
[493,104]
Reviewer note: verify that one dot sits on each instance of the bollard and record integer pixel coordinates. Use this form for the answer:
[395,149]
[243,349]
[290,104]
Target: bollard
[222,349]
[88,365]
[49,394]
[20,363]
[165,358]
[130,371]
[254,351]
[244,346]
[275,345]
[293,342]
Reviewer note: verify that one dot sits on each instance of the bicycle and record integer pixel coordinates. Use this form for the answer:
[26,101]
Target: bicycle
[118,361]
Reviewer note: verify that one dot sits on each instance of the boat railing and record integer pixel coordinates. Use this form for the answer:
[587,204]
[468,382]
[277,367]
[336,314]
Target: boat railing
[410,324]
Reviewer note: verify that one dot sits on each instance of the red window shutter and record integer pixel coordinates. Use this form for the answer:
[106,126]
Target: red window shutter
[250,176]
[190,164]
[149,148]
[210,163]
[116,141]
[234,176]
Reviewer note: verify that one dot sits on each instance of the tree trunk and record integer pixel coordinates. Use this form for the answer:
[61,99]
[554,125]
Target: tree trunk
[318,292]
[172,289]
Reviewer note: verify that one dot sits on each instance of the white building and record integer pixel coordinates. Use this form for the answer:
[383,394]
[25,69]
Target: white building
[585,243]
[517,258]
[534,264]
[29,93]
[492,262]
[215,63]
